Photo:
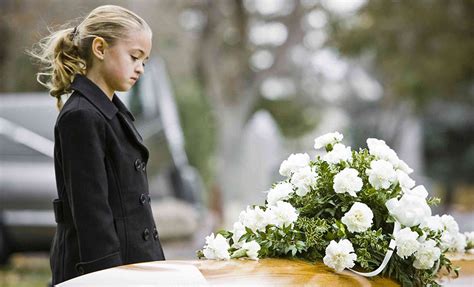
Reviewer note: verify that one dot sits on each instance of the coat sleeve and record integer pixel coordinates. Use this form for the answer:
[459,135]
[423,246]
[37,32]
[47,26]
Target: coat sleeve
[82,137]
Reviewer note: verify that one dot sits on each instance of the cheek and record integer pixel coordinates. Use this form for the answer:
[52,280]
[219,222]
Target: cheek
[118,67]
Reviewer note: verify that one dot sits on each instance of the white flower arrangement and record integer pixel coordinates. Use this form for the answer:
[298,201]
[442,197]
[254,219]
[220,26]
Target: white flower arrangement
[350,209]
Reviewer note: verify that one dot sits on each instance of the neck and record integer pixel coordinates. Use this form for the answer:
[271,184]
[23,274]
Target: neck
[99,81]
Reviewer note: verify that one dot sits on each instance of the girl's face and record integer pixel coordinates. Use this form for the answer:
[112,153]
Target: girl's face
[124,61]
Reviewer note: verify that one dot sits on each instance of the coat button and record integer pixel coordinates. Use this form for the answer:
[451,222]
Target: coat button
[143,199]
[155,233]
[149,198]
[146,234]
[143,166]
[138,164]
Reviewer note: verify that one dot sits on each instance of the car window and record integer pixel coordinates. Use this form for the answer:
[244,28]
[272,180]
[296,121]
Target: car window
[14,151]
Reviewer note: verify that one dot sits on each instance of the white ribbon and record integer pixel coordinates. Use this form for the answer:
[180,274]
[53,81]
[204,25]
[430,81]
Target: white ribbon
[388,255]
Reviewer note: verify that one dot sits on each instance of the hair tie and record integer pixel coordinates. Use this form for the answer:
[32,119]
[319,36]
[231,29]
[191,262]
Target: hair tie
[74,33]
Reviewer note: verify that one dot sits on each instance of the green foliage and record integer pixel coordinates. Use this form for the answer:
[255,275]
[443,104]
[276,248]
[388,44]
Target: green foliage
[314,231]
[294,119]
[370,247]
[422,49]
[198,126]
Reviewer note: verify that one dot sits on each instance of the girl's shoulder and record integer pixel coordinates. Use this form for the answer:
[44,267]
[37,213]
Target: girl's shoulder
[78,111]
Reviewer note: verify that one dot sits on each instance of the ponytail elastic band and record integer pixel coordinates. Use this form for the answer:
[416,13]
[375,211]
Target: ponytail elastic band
[74,33]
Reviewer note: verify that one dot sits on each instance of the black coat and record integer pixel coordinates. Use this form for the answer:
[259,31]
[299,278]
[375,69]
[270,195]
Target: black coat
[103,211]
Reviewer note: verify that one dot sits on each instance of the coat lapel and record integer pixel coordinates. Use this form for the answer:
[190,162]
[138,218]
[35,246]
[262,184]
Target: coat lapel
[133,133]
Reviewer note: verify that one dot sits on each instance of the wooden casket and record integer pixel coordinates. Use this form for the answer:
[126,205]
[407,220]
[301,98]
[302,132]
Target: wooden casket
[265,272]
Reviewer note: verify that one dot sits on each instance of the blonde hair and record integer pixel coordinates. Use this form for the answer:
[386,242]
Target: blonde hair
[67,52]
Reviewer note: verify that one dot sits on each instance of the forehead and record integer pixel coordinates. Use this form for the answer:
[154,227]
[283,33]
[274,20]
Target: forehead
[137,40]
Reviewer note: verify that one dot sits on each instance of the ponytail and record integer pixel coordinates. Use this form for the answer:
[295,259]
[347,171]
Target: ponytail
[61,60]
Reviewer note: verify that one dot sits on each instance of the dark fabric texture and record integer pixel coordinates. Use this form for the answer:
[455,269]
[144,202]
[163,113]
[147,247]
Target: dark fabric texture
[100,163]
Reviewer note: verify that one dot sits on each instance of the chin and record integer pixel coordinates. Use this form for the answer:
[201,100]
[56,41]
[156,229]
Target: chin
[124,88]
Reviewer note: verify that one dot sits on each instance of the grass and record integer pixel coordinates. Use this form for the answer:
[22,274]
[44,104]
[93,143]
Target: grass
[26,270]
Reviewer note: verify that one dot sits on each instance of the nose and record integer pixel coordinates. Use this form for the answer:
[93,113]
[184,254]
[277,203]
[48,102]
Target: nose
[140,69]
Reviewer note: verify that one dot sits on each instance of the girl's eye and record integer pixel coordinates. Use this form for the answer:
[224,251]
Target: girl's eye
[143,64]
[134,58]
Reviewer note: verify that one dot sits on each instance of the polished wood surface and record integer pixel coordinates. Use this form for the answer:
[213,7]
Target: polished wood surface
[265,272]
[280,272]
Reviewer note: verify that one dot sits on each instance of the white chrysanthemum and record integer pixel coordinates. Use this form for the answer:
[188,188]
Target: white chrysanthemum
[279,192]
[407,242]
[282,214]
[381,174]
[347,180]
[450,224]
[303,179]
[251,249]
[338,153]
[237,231]
[381,150]
[216,247]
[433,223]
[426,255]
[327,139]
[340,255]
[404,180]
[293,163]
[254,218]
[410,210]
[358,218]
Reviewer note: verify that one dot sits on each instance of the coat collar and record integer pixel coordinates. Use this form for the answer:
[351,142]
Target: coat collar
[98,98]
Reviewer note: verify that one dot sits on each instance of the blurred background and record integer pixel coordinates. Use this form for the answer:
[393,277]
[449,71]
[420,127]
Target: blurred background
[234,87]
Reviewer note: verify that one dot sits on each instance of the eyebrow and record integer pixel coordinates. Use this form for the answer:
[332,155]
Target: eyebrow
[141,52]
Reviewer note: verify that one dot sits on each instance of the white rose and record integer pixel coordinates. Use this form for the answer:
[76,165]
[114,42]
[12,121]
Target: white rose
[237,232]
[433,223]
[279,192]
[216,247]
[404,180]
[381,174]
[450,224]
[460,243]
[419,191]
[282,214]
[327,139]
[293,163]
[358,218]
[409,210]
[406,241]
[339,153]
[426,255]
[347,181]
[381,150]
[252,249]
[469,239]
[453,242]
[401,165]
[254,218]
[303,179]
[340,255]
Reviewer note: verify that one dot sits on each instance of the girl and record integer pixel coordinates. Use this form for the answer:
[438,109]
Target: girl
[103,209]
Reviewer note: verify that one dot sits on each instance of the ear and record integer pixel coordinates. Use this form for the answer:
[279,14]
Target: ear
[98,47]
